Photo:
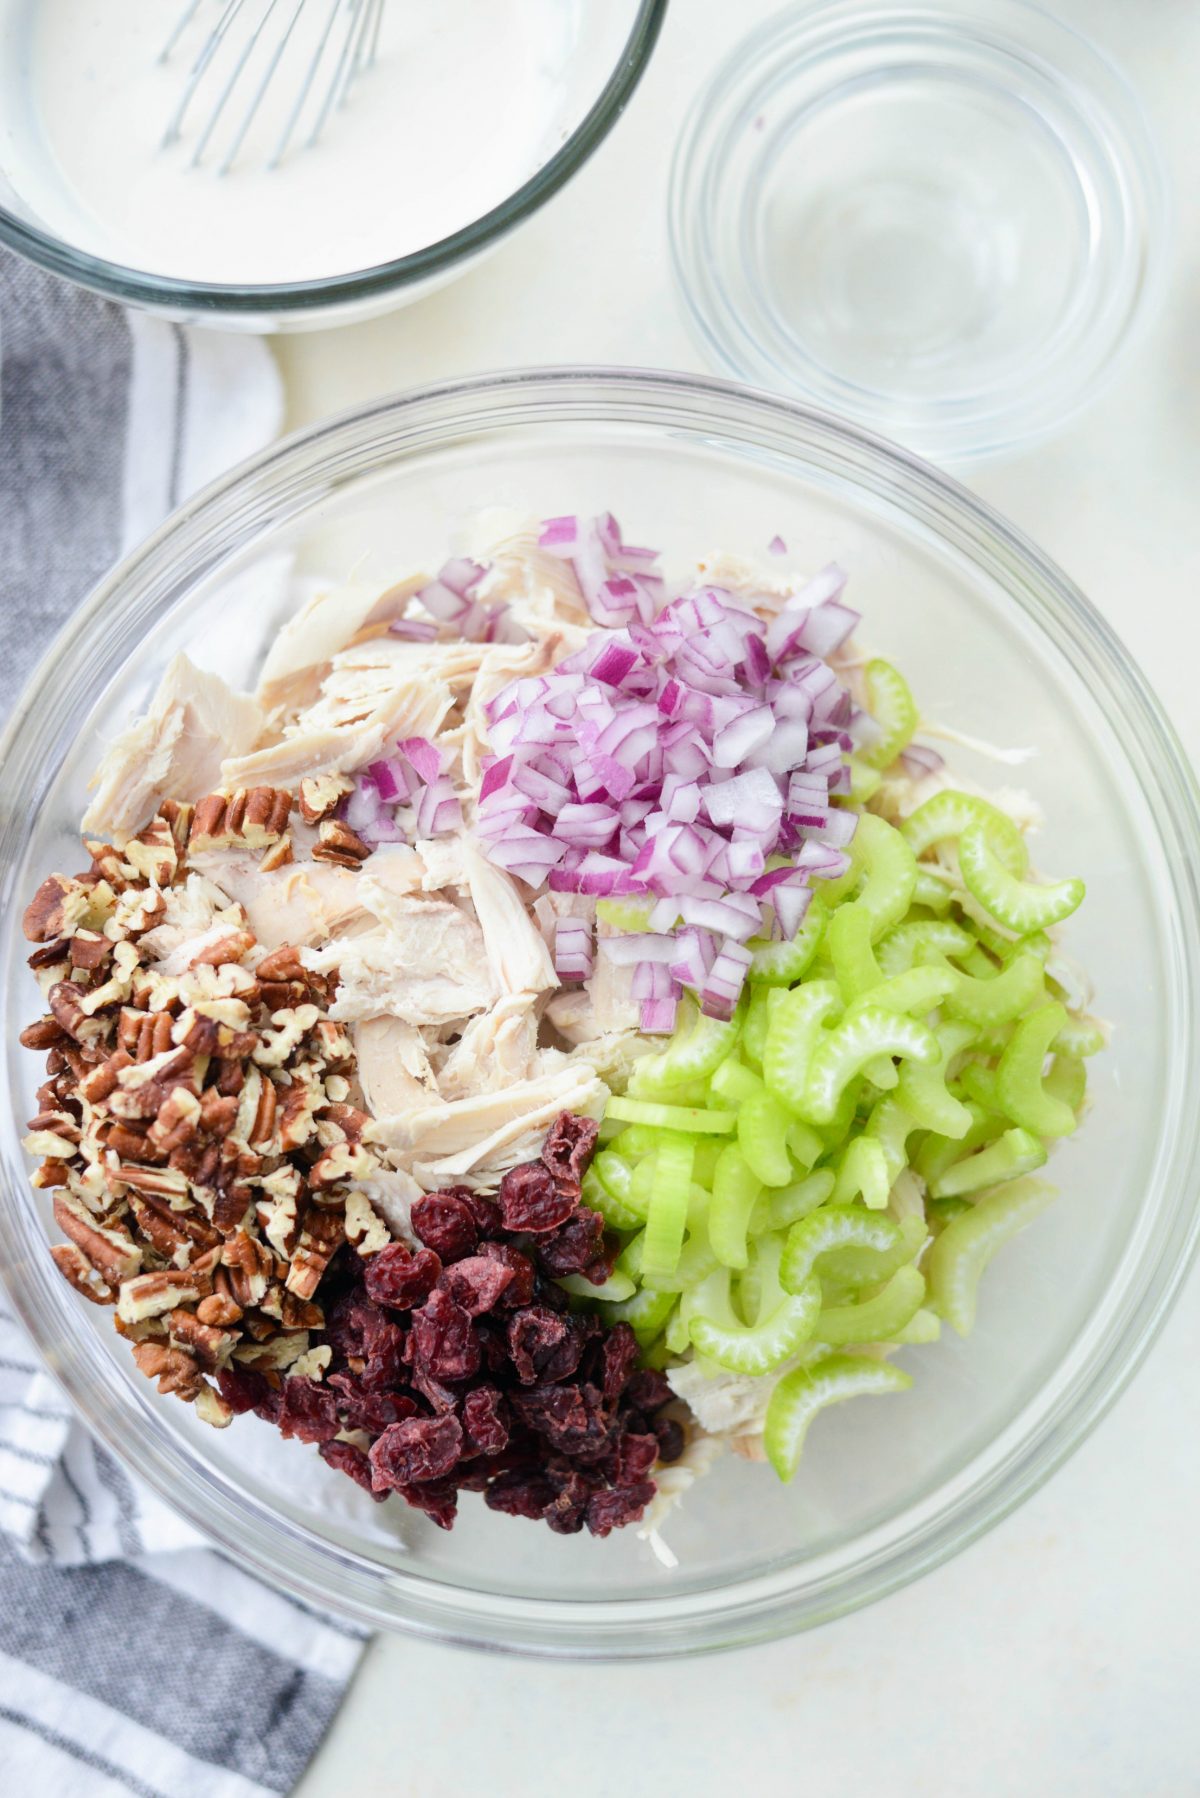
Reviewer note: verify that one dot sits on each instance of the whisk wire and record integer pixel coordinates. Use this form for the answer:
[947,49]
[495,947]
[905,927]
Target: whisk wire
[338,61]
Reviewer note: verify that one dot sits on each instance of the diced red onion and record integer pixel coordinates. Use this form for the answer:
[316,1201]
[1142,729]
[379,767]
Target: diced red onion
[414,630]
[573,949]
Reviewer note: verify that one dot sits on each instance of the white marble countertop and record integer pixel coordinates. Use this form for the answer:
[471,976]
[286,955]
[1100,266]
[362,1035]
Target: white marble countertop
[1060,1653]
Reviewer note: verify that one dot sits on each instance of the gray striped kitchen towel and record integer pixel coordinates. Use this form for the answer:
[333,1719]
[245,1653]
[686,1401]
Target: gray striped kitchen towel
[133,1658]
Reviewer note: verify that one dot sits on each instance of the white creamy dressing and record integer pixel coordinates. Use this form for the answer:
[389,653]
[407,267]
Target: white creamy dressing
[464,104]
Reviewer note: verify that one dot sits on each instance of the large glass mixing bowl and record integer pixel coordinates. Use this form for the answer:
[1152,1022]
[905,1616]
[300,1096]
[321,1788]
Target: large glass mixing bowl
[997,642]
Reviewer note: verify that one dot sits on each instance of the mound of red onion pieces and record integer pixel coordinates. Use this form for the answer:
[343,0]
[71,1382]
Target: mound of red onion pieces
[688,754]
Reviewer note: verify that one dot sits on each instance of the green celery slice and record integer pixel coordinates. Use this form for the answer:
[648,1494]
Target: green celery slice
[1019,1080]
[998,998]
[782,963]
[1013,1154]
[736,1191]
[689,1118]
[907,944]
[807,1390]
[833,1227]
[863,1169]
[952,814]
[845,1051]
[1017,904]
[762,1127]
[876,1319]
[667,1215]
[967,1244]
[893,708]
[793,1030]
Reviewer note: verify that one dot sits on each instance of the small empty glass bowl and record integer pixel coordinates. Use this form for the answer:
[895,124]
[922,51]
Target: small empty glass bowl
[940,221]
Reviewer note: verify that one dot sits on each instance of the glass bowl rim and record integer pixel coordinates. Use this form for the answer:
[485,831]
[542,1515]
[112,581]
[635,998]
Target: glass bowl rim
[758,1607]
[137,287]
[825,27]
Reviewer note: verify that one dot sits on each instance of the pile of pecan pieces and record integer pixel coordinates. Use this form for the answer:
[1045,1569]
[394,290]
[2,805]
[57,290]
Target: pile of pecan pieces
[197,1129]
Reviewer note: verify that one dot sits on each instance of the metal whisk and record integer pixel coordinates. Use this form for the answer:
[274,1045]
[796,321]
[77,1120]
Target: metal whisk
[246,52]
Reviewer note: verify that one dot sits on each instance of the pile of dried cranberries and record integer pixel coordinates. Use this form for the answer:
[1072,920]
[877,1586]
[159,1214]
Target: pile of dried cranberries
[459,1366]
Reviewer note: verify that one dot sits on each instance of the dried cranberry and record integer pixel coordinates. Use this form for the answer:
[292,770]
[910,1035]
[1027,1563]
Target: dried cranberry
[308,1411]
[533,1201]
[648,1390]
[440,1398]
[477,1283]
[573,1419]
[567,1509]
[620,1356]
[443,1342]
[344,1324]
[635,1456]
[521,1267]
[494,1343]
[574,1245]
[348,1459]
[399,1278]
[669,1432]
[446,1224]
[521,1493]
[243,1390]
[612,1509]
[563,1360]
[485,1211]
[484,1419]
[371,1411]
[383,1352]
[569,1145]
[420,1448]
[437,1498]
[532,1336]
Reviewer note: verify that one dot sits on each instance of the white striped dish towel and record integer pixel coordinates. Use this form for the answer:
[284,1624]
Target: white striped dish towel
[133,1658]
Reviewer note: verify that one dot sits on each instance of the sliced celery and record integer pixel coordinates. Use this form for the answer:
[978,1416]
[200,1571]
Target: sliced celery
[1017,904]
[807,1390]
[787,1206]
[833,1227]
[997,998]
[878,1318]
[951,814]
[968,1242]
[783,963]
[784,1323]
[735,1193]
[891,704]
[762,1126]
[1013,1154]
[667,1215]
[911,943]
[844,1052]
[1019,1080]
[793,1030]
[689,1118]
[863,1170]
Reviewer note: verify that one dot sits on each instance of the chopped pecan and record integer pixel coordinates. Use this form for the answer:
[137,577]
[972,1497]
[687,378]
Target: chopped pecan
[234,946]
[219,1310]
[255,816]
[340,845]
[45,915]
[282,964]
[66,1001]
[322,1232]
[175,1370]
[341,1161]
[154,854]
[88,950]
[249,1266]
[162,1182]
[334,1045]
[149,1295]
[348,1123]
[51,1175]
[278,855]
[178,818]
[75,1267]
[211,1408]
[143,1036]
[110,1250]
[210,1346]
[320,794]
[177,1121]
[102,1081]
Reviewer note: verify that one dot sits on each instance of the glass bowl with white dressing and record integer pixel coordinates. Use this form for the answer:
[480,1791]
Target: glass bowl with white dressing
[471,115]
